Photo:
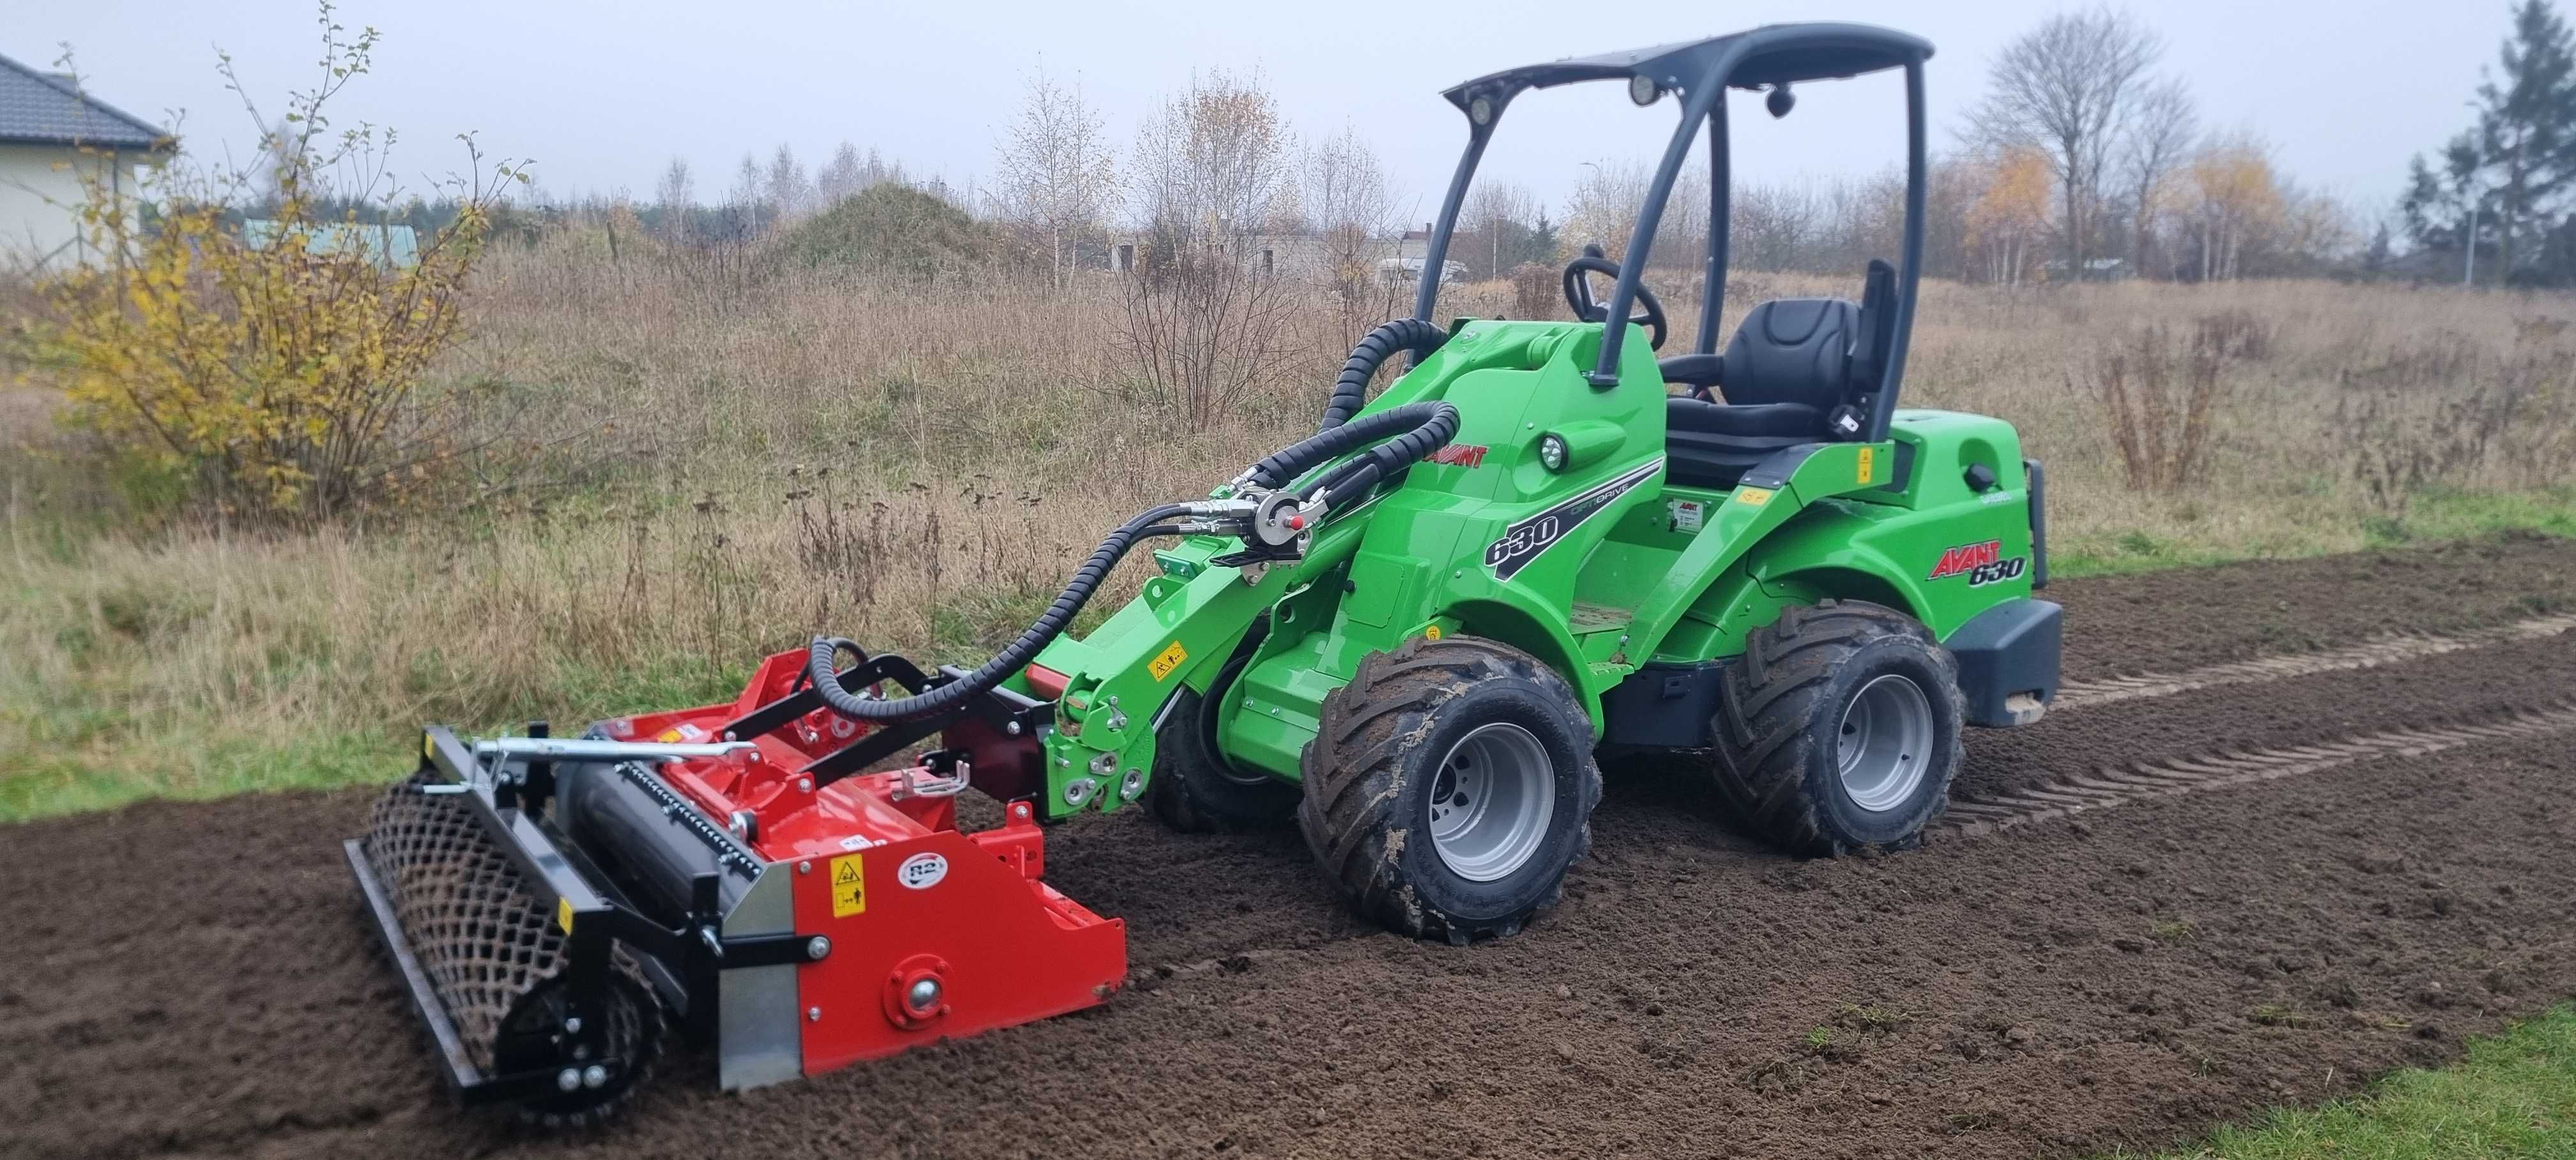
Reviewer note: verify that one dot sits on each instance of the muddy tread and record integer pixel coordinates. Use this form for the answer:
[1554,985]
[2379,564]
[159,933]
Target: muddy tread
[1356,760]
[1767,701]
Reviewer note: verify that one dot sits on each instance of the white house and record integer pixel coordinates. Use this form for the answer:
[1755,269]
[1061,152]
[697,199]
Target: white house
[52,135]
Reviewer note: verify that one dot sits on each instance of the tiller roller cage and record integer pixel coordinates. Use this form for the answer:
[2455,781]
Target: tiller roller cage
[553,905]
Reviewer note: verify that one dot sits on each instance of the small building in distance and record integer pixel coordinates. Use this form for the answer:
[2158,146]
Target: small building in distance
[57,143]
[383,246]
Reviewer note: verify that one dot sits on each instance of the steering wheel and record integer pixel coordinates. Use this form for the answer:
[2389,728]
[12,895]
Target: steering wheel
[1578,294]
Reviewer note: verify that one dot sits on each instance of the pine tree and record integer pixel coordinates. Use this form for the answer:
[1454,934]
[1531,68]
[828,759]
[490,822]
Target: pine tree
[2519,162]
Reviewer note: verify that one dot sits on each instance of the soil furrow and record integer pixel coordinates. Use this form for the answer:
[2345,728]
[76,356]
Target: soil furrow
[1977,816]
[2386,651]
[194,978]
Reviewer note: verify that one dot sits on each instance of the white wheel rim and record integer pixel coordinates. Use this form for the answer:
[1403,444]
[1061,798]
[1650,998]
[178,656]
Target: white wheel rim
[1492,797]
[1884,746]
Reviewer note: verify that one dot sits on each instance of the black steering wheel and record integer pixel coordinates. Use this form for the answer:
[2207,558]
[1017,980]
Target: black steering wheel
[1578,294]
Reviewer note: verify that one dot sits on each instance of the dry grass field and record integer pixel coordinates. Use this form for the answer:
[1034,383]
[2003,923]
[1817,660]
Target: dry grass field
[708,472]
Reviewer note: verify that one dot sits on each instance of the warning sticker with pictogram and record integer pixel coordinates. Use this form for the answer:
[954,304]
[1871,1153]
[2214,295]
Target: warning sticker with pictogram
[849,886]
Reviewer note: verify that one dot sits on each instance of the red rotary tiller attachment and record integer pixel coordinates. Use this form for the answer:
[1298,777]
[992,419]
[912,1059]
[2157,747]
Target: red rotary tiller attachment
[728,871]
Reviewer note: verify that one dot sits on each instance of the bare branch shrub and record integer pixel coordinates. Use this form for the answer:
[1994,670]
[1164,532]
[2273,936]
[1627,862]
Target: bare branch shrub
[1212,170]
[1200,329]
[2160,395]
[2446,414]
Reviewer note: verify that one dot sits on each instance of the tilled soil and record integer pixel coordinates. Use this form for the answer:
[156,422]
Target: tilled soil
[195,979]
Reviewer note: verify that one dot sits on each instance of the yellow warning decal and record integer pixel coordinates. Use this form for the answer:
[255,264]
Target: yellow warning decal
[428,746]
[1752,496]
[849,886]
[1868,459]
[1163,665]
[563,914]
[1432,633]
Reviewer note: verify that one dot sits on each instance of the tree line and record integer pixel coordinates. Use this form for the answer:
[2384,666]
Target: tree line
[2083,159]
[2497,203]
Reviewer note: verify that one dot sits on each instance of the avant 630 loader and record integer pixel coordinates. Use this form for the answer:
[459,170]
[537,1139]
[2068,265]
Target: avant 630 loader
[1411,632]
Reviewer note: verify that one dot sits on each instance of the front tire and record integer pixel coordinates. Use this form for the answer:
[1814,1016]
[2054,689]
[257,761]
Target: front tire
[1839,729]
[1450,787]
[1195,789]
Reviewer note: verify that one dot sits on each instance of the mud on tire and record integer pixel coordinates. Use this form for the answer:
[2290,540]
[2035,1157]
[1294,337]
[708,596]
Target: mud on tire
[1783,712]
[1385,741]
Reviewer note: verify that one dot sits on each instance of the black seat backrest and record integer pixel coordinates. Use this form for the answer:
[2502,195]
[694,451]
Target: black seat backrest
[1877,326]
[1793,350]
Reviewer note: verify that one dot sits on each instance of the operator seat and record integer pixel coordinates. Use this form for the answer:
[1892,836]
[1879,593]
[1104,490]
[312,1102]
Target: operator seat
[1788,367]
[1793,363]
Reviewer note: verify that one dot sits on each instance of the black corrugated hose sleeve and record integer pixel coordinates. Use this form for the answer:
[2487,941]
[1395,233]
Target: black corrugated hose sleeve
[1296,459]
[1350,391]
[1058,616]
[1365,470]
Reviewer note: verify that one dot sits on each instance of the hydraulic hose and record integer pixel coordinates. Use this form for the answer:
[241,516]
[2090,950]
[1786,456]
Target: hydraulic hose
[1350,391]
[1298,458]
[1434,425]
[1407,433]
[819,657]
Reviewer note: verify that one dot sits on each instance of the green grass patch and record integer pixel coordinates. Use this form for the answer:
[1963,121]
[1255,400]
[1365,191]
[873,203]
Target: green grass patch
[43,785]
[2514,1096]
[2435,516]
[75,753]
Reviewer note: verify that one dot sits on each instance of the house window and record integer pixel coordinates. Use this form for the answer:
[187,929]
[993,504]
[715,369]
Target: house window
[1266,266]
[1123,257]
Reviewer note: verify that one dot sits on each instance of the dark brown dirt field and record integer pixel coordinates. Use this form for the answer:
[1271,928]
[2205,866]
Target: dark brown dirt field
[189,980]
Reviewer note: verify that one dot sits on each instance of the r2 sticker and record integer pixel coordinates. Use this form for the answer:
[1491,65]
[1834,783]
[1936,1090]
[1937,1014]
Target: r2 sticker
[921,871]
[1689,515]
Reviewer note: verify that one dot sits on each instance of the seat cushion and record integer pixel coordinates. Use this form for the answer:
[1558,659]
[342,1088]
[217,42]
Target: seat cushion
[1793,419]
[1712,445]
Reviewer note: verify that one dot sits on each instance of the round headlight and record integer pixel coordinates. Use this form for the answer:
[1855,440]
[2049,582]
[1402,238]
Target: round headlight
[1643,89]
[1551,451]
[1481,111]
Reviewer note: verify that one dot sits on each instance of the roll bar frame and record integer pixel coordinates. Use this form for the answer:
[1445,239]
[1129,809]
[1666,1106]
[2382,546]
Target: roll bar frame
[1772,56]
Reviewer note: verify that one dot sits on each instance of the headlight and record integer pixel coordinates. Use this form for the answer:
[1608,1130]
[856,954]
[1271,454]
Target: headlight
[1551,451]
[1643,89]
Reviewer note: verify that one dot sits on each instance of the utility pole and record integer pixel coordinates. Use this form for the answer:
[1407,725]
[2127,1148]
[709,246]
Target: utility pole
[2469,276]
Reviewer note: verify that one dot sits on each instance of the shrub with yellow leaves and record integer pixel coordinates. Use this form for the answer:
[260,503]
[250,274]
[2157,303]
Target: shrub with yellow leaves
[273,371]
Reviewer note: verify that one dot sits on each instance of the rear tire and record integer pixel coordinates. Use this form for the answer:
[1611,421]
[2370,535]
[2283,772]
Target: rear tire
[1450,787]
[1839,729]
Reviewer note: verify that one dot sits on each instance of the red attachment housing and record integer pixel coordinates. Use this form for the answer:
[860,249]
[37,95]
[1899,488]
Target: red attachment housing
[935,932]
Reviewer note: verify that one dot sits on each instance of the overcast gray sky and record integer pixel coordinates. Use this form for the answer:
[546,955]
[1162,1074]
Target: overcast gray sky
[603,95]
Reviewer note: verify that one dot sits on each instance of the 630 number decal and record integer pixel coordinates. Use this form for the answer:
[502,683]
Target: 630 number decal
[1982,564]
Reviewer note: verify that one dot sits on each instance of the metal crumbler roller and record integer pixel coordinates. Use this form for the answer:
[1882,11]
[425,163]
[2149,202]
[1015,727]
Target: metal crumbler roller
[553,905]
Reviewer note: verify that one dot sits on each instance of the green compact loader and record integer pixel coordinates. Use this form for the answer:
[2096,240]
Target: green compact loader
[1543,542]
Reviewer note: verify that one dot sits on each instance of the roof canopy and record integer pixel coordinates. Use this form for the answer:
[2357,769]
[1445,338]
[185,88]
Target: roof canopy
[40,108]
[1773,54]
